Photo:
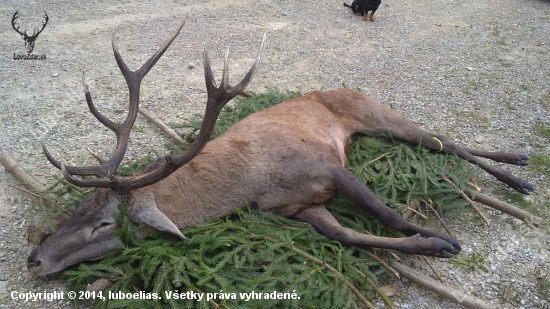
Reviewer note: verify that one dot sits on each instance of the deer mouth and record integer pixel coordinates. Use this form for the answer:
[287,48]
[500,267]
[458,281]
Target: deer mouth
[33,266]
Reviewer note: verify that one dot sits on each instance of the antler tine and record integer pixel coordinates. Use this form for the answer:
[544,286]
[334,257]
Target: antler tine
[217,98]
[133,81]
[36,32]
[248,77]
[43,24]
[74,170]
[122,131]
[13,19]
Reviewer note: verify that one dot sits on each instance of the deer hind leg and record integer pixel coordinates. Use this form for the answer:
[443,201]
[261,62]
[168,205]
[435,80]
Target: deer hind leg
[437,244]
[414,135]
[501,156]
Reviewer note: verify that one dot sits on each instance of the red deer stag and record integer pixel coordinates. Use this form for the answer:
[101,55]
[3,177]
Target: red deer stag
[288,160]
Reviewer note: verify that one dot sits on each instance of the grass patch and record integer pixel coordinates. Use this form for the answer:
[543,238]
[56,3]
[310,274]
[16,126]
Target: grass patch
[543,288]
[538,207]
[256,251]
[542,129]
[527,88]
[545,100]
[511,106]
[477,118]
[540,164]
[474,262]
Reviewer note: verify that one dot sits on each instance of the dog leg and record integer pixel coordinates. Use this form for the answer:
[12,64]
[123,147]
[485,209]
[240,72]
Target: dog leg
[372,15]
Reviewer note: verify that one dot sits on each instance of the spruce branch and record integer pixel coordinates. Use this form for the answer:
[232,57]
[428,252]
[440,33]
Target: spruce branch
[330,268]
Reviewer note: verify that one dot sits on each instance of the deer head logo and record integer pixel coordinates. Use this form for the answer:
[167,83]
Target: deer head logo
[29,39]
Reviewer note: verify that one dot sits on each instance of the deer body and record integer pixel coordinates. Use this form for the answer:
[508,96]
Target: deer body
[260,161]
[288,160]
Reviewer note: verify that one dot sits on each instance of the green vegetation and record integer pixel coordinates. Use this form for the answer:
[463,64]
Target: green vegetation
[540,163]
[537,207]
[478,119]
[511,106]
[543,287]
[542,129]
[545,100]
[255,251]
[472,263]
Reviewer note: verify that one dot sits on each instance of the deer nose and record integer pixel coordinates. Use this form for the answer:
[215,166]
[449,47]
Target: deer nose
[33,263]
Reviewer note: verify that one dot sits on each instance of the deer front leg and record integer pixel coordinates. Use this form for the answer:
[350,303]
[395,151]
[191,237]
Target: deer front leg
[437,244]
[322,219]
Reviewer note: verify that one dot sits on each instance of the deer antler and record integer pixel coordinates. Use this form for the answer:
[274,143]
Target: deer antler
[217,98]
[122,131]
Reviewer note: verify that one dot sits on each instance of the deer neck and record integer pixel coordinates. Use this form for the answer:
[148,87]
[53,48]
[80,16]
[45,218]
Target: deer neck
[207,188]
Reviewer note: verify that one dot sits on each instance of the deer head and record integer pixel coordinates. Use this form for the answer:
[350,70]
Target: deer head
[29,39]
[87,235]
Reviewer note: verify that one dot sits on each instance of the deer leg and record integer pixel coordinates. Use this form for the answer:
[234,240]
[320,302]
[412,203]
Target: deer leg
[437,244]
[439,143]
[322,220]
[501,156]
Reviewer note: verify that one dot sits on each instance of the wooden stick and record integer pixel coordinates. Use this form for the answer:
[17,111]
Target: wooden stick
[439,217]
[445,291]
[25,178]
[20,174]
[433,269]
[487,222]
[521,214]
[35,234]
[376,257]
[421,215]
[100,284]
[163,127]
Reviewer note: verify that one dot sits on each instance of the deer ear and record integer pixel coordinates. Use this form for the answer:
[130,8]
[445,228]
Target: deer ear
[143,209]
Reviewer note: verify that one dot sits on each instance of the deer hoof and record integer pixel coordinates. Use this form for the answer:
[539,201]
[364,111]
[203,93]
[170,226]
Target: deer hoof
[519,159]
[444,248]
[526,187]
[523,159]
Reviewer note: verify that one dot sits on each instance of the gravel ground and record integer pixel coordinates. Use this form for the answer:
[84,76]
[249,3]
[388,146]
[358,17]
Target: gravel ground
[476,71]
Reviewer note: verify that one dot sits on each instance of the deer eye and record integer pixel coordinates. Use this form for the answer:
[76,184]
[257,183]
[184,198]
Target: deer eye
[103,224]
[100,227]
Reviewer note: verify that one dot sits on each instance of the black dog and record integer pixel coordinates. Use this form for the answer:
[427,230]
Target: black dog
[364,6]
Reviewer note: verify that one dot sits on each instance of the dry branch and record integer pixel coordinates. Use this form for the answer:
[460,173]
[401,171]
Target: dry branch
[433,269]
[20,174]
[25,178]
[35,234]
[163,127]
[487,222]
[505,207]
[449,293]
[99,285]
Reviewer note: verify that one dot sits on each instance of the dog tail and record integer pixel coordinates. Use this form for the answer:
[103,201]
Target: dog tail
[347,5]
